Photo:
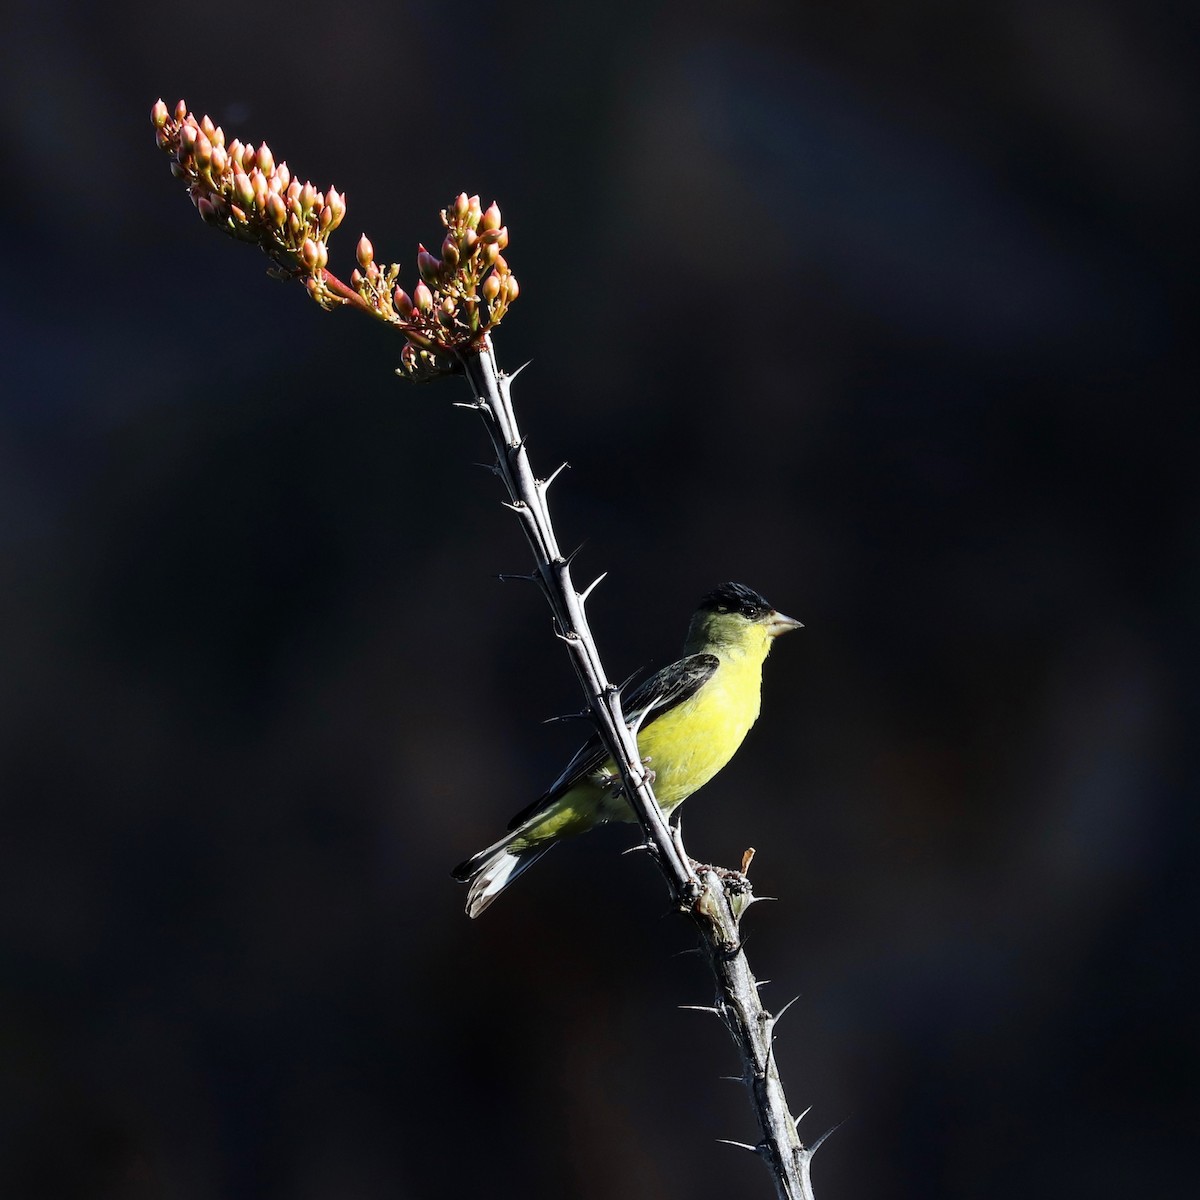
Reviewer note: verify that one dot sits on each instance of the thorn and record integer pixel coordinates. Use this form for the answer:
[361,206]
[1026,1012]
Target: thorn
[517,372]
[544,484]
[775,1019]
[732,1078]
[516,505]
[684,953]
[704,1008]
[757,899]
[796,1120]
[762,983]
[570,558]
[474,405]
[740,1145]
[620,687]
[821,1140]
[639,848]
[504,578]
[569,638]
[591,587]
[579,716]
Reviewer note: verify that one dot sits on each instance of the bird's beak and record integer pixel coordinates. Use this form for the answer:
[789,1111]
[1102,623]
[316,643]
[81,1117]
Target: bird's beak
[777,623]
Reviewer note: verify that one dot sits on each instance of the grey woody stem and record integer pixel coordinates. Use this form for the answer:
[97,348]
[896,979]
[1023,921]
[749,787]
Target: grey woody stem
[703,896]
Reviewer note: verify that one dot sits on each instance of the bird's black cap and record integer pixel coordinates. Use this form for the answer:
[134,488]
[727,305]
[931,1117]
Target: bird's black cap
[736,597]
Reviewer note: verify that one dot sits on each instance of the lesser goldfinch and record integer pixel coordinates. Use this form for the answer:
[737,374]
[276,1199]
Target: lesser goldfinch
[690,719]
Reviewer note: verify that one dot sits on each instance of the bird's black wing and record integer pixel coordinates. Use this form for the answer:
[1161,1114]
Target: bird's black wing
[663,691]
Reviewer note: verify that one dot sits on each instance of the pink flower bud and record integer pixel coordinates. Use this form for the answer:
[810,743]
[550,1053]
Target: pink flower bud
[243,190]
[293,192]
[308,253]
[206,126]
[187,141]
[162,138]
[511,290]
[159,114]
[491,288]
[356,277]
[403,302]
[308,196]
[266,162]
[322,255]
[276,210]
[180,110]
[364,252]
[203,150]
[450,251]
[490,219]
[208,210]
[178,171]
[428,266]
[285,175]
[469,238]
[461,204]
[219,160]
[422,298]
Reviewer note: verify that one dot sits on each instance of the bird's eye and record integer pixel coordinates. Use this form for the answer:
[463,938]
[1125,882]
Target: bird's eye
[749,612]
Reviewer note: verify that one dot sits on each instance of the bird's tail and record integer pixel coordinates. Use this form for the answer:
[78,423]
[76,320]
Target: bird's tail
[490,871]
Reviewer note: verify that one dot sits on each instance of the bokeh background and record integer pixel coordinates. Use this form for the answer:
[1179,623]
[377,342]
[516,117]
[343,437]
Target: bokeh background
[881,308]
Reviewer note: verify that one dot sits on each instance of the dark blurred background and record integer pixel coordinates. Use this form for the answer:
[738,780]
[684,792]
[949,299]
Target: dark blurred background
[879,308]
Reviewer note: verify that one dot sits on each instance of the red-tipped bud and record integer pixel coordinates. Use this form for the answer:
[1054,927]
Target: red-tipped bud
[403,302]
[450,251]
[511,290]
[293,192]
[285,175]
[489,254]
[325,218]
[159,114]
[427,266]
[356,277]
[461,202]
[294,224]
[474,212]
[448,307]
[337,206]
[276,210]
[308,196]
[180,110]
[208,210]
[243,190]
[206,126]
[364,252]
[162,138]
[502,237]
[217,137]
[203,150]
[266,161]
[469,238]
[491,288]
[308,253]
[220,160]
[422,298]
[187,141]
[178,171]
[322,255]
[490,219]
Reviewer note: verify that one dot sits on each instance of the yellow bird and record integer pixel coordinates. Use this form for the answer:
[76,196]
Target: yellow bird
[691,717]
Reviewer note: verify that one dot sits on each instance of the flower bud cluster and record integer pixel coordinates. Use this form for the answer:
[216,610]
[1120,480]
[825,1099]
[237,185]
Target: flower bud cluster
[463,291]
[241,190]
